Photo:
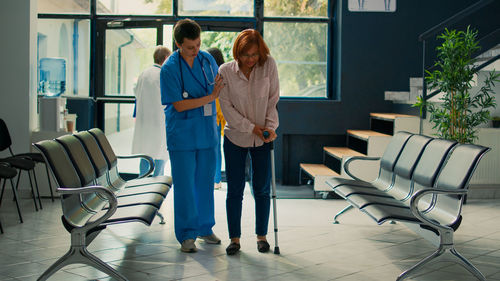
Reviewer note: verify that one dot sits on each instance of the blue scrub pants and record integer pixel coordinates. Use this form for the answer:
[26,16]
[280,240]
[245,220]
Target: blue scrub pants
[218,157]
[159,166]
[193,178]
[235,157]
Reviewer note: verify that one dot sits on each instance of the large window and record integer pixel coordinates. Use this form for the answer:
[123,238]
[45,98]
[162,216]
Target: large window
[63,7]
[128,53]
[300,50]
[216,7]
[134,7]
[221,40]
[63,56]
[284,8]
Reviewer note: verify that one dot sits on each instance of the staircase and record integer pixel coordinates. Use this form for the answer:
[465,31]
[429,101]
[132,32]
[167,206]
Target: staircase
[371,143]
[415,85]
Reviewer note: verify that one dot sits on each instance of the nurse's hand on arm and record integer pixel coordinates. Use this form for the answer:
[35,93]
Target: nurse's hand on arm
[188,104]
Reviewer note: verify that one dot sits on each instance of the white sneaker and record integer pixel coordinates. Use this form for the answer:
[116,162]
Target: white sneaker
[188,246]
[210,239]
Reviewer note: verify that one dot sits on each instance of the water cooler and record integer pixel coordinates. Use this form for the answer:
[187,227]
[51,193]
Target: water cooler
[52,114]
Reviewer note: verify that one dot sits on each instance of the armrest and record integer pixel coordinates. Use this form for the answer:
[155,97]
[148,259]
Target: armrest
[420,215]
[108,194]
[143,156]
[356,158]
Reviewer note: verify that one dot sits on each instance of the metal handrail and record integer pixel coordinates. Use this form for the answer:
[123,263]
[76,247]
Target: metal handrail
[434,30]
[453,19]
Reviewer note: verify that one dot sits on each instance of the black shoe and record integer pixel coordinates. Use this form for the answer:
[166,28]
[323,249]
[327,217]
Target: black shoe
[233,248]
[262,246]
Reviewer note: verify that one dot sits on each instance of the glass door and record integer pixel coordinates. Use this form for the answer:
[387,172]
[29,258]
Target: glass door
[127,49]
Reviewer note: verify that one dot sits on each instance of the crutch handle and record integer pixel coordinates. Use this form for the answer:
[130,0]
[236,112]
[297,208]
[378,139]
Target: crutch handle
[265,134]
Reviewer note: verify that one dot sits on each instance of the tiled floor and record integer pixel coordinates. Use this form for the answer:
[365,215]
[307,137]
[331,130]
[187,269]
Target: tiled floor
[312,248]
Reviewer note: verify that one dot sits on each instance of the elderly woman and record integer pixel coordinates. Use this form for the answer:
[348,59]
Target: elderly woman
[248,101]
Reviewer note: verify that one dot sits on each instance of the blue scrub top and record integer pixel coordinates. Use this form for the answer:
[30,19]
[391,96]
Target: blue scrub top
[190,129]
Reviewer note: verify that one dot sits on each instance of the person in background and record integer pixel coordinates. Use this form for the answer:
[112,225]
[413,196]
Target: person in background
[219,59]
[148,138]
[189,86]
[248,101]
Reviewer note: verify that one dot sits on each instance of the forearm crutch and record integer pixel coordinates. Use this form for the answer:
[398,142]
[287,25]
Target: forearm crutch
[273,188]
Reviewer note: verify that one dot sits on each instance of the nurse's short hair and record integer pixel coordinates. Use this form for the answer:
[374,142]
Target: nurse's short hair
[161,54]
[186,28]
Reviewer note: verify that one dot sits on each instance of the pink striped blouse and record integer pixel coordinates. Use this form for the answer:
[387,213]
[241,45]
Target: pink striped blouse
[245,102]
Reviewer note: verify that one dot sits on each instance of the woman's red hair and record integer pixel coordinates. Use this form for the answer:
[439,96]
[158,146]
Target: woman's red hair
[245,40]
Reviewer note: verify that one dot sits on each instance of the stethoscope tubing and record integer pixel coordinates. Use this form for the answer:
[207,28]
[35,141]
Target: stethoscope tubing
[185,94]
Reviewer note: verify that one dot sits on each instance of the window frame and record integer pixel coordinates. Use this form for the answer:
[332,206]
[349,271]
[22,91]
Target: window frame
[99,22]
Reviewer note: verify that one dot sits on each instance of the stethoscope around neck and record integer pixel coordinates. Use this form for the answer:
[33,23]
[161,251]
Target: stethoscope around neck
[185,94]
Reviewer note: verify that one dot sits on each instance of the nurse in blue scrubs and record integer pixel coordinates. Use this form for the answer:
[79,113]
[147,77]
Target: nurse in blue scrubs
[189,86]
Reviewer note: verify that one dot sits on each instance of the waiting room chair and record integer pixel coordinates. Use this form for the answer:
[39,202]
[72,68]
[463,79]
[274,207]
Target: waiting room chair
[7,173]
[6,143]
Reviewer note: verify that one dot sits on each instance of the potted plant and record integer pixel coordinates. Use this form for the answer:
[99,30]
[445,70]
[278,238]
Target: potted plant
[460,112]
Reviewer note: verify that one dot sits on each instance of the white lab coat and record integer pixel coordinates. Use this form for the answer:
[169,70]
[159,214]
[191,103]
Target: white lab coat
[149,133]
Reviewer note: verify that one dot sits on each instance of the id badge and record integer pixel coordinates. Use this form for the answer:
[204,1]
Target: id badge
[207,109]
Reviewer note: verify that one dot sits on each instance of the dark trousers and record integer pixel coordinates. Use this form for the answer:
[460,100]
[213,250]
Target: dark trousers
[235,157]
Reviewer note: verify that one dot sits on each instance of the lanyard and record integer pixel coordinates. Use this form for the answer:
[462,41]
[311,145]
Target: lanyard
[181,59]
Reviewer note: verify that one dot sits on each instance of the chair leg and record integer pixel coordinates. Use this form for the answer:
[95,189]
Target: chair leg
[79,254]
[1,194]
[16,199]
[37,189]
[50,184]
[1,228]
[335,221]
[444,250]
[32,190]
[467,265]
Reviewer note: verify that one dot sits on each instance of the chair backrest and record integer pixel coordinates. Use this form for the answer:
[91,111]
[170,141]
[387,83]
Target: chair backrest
[79,158]
[105,146]
[405,165]
[114,177]
[84,168]
[5,140]
[455,175]
[76,209]
[389,158]
[428,167]
[94,152]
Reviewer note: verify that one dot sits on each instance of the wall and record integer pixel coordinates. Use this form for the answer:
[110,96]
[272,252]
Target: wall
[18,70]
[377,52]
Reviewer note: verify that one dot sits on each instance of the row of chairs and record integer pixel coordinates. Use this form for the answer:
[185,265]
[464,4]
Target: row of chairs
[14,165]
[94,196]
[422,181]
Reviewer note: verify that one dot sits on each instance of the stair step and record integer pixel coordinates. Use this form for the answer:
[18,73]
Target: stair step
[315,170]
[416,82]
[365,134]
[389,116]
[339,152]
[400,96]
